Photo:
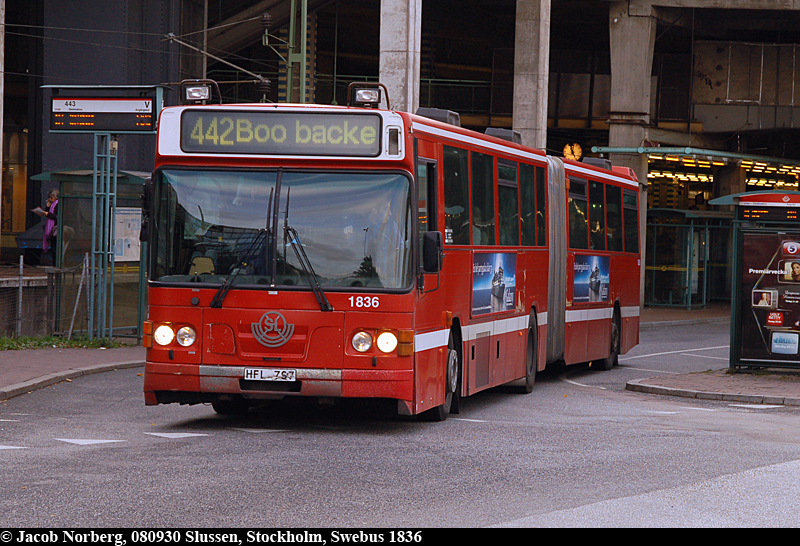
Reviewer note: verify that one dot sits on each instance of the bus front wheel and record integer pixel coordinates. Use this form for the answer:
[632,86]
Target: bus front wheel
[452,396]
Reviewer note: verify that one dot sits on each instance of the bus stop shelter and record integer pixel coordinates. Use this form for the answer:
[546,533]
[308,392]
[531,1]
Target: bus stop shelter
[765,298]
[687,259]
[120,291]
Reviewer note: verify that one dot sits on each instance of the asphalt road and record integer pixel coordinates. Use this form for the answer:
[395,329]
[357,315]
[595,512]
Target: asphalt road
[579,451]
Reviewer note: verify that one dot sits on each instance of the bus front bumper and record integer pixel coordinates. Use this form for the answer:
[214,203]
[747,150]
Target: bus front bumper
[192,383]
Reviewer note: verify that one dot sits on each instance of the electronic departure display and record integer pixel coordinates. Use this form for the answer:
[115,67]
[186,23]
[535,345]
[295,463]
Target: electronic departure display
[756,213]
[281,133]
[96,115]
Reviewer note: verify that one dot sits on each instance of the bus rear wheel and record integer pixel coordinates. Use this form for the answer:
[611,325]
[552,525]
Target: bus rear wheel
[616,335]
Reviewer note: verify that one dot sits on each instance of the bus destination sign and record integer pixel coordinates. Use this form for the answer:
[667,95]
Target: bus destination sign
[96,115]
[281,133]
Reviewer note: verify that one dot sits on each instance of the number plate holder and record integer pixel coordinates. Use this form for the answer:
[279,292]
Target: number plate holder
[270,374]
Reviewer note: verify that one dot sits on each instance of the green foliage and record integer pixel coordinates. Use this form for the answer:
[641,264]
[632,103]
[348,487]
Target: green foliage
[16,343]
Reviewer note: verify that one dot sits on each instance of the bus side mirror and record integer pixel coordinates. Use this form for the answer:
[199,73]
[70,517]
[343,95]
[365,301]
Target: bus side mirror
[432,255]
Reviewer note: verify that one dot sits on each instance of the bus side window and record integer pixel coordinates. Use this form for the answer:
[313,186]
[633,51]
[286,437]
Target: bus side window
[630,218]
[456,196]
[426,198]
[508,202]
[528,205]
[597,216]
[614,218]
[541,208]
[482,199]
[578,215]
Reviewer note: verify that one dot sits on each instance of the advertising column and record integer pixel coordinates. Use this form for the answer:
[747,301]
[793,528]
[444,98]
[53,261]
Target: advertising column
[770,297]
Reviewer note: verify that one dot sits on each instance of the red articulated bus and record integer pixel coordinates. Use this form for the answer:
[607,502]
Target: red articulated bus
[324,251]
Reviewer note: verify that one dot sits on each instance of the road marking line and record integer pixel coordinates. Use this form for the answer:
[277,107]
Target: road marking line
[706,356]
[649,370]
[697,409]
[624,358]
[85,442]
[256,430]
[174,435]
[565,380]
[12,447]
[755,406]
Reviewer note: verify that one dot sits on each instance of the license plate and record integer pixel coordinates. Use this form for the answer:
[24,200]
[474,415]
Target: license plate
[270,374]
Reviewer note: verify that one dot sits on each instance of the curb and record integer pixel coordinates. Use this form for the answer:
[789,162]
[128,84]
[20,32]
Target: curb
[40,382]
[637,386]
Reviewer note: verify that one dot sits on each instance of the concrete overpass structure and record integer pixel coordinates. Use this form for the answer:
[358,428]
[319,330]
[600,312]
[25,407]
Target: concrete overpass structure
[631,28]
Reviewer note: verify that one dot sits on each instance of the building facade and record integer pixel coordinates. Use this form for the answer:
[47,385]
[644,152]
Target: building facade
[699,97]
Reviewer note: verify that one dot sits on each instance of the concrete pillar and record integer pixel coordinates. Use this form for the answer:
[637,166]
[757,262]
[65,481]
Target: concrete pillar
[632,37]
[2,90]
[632,40]
[531,71]
[401,35]
[729,180]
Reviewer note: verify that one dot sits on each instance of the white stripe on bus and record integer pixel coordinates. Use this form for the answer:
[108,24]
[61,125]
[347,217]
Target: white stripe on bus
[439,338]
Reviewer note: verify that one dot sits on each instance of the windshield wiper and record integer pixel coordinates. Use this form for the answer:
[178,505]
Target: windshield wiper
[302,257]
[308,269]
[216,302]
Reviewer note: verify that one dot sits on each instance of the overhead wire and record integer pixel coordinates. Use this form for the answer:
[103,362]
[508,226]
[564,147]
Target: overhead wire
[219,52]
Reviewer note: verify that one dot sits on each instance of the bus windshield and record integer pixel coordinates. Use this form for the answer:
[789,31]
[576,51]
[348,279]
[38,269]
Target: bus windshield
[246,228]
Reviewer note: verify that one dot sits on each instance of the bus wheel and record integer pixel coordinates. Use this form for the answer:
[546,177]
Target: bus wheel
[613,357]
[452,397]
[531,359]
[230,407]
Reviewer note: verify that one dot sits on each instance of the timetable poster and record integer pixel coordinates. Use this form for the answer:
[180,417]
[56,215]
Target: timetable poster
[770,297]
[590,282]
[494,279]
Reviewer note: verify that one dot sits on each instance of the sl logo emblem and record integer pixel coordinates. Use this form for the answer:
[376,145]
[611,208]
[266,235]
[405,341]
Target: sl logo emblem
[272,330]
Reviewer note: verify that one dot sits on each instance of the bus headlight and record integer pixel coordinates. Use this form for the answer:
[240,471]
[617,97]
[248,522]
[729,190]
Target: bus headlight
[362,342]
[163,335]
[387,342]
[186,336]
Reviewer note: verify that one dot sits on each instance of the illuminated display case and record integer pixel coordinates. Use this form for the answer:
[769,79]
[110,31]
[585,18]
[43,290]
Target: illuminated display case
[765,298]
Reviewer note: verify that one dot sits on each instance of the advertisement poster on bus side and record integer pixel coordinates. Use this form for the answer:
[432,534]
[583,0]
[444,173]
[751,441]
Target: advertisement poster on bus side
[590,280]
[494,279]
[770,297]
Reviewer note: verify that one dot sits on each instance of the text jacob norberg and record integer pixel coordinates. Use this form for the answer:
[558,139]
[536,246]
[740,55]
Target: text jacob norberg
[75,537]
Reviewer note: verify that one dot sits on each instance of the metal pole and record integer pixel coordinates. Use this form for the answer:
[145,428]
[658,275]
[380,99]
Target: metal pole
[103,251]
[113,225]
[92,271]
[19,300]
[78,297]
[290,56]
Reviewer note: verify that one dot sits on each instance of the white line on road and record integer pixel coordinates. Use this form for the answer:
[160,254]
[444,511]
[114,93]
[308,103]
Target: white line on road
[649,370]
[175,435]
[739,499]
[565,380]
[86,442]
[626,358]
